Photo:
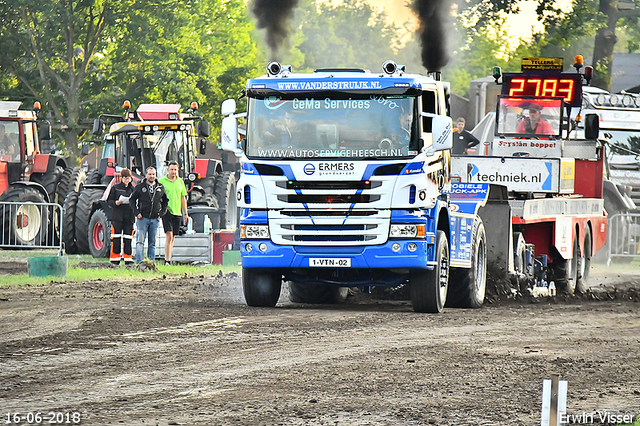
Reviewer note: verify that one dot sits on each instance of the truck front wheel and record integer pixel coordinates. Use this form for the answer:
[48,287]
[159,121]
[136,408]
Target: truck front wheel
[261,287]
[467,286]
[429,288]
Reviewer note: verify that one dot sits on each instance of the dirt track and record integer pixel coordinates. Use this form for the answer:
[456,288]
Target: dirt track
[189,352]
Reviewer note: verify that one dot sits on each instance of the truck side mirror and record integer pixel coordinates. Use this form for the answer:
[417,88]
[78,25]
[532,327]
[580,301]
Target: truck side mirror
[98,127]
[591,126]
[228,107]
[203,146]
[441,130]
[204,129]
[45,131]
[229,134]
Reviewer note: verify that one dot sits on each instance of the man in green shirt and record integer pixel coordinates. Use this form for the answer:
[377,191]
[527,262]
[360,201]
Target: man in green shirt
[177,194]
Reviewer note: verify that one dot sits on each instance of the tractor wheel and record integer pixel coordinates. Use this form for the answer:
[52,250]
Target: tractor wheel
[68,223]
[225,190]
[429,287]
[203,193]
[84,210]
[50,181]
[467,286]
[72,180]
[93,178]
[99,234]
[261,287]
[23,224]
[316,293]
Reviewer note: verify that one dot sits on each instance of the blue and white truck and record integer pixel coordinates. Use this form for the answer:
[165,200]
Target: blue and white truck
[345,183]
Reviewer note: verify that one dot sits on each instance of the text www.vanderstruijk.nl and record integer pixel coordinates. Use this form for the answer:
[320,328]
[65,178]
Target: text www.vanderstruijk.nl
[329,85]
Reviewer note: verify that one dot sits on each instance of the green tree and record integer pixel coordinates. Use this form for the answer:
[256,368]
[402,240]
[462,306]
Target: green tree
[85,57]
[177,52]
[47,48]
[592,27]
[568,35]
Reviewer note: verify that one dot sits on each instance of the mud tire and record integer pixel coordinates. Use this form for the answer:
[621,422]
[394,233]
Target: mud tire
[225,190]
[72,180]
[565,271]
[585,263]
[261,287]
[14,230]
[467,287]
[203,193]
[68,223]
[93,178]
[50,181]
[99,234]
[429,287]
[84,211]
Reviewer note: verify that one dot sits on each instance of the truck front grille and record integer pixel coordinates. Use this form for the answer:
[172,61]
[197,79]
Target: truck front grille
[341,213]
[349,228]
[312,213]
[328,199]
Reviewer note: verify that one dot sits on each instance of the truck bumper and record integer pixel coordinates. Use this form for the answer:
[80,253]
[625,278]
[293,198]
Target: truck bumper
[366,257]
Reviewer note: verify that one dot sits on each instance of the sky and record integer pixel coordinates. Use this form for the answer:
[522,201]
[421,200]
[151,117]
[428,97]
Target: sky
[519,26]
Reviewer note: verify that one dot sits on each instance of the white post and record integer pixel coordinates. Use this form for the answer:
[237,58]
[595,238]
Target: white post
[554,401]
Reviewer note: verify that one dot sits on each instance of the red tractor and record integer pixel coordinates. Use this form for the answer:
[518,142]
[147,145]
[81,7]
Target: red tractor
[29,174]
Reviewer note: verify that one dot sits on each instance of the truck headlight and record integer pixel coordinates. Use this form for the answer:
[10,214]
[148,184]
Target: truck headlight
[258,232]
[407,231]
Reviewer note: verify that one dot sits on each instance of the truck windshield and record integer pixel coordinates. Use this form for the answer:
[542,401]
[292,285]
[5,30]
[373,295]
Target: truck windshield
[370,126]
[622,142]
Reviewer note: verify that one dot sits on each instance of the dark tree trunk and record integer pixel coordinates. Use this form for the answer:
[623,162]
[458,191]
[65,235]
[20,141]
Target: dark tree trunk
[604,44]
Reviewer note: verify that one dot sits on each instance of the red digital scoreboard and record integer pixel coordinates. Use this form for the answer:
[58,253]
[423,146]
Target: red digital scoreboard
[542,85]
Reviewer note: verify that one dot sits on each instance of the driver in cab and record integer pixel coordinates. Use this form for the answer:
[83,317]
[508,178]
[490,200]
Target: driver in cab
[7,146]
[533,124]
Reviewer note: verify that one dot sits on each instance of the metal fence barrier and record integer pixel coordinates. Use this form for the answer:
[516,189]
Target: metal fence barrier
[623,236]
[31,226]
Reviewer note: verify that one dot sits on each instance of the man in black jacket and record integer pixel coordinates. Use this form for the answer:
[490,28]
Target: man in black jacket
[149,203]
[462,139]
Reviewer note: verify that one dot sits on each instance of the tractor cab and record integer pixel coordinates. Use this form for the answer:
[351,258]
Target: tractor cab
[152,136]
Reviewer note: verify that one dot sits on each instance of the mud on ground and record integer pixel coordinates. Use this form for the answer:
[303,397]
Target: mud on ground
[179,351]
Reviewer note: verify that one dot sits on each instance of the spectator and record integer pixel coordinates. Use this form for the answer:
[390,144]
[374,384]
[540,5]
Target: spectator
[462,139]
[177,194]
[121,217]
[149,203]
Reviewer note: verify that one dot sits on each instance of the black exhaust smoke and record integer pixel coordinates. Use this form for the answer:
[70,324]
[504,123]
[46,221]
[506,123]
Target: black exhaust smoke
[433,18]
[274,16]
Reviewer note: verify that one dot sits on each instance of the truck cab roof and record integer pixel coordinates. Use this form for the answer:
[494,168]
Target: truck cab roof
[344,81]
